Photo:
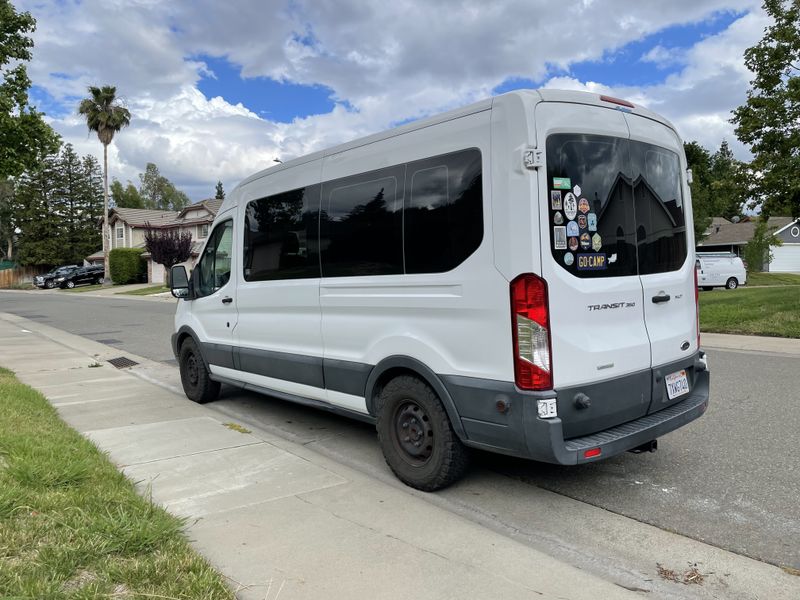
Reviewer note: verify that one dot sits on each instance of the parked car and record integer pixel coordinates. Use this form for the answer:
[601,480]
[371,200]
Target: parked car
[48,280]
[393,280]
[90,275]
[723,269]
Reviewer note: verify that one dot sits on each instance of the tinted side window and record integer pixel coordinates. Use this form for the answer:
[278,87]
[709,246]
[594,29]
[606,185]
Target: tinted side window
[360,224]
[443,216]
[280,236]
[660,222]
[590,202]
[214,269]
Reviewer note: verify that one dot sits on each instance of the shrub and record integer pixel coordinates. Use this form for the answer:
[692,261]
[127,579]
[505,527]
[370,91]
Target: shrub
[127,265]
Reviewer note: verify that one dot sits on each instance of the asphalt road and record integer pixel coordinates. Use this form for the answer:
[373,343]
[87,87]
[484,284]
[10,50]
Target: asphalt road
[731,478]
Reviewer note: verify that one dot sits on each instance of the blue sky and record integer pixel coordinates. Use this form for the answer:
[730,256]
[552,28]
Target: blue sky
[217,90]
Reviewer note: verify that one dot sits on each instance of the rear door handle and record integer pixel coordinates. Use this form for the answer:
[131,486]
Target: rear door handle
[661,297]
[228,300]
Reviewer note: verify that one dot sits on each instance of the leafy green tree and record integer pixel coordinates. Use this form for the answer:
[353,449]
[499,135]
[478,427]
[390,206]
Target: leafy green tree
[106,117]
[699,161]
[728,183]
[125,197]
[220,192]
[758,251]
[769,122]
[158,192]
[7,226]
[24,136]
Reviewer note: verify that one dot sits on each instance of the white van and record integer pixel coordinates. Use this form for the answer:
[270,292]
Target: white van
[720,269]
[513,276]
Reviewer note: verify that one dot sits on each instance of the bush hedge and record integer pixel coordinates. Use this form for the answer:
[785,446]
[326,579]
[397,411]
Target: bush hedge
[127,265]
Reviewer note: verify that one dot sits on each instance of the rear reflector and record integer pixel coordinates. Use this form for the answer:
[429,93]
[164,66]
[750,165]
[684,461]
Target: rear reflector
[592,453]
[530,330]
[613,100]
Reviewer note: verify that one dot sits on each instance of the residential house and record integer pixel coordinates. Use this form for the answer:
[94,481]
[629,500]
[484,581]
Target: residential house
[727,236]
[128,225]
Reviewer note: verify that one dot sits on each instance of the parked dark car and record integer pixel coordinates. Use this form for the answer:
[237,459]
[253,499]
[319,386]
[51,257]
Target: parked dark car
[48,280]
[91,274]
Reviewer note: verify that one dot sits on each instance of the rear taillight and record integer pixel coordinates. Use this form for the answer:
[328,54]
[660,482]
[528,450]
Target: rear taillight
[530,326]
[697,308]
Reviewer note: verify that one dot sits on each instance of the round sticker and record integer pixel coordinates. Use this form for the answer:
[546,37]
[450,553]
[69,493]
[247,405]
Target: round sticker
[569,259]
[586,241]
[570,205]
[582,221]
[573,243]
[583,205]
[558,218]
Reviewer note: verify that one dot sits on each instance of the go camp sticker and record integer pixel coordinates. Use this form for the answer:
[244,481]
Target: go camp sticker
[592,262]
[555,199]
[572,228]
[562,183]
[560,238]
[570,206]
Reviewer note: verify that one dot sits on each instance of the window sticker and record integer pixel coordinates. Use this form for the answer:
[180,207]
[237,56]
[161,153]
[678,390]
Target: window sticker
[583,205]
[569,259]
[562,183]
[555,199]
[572,228]
[597,242]
[570,206]
[560,238]
[558,218]
[592,218]
[577,190]
[592,262]
[586,242]
[582,221]
[573,243]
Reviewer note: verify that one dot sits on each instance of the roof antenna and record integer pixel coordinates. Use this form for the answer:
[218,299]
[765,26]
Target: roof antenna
[277,160]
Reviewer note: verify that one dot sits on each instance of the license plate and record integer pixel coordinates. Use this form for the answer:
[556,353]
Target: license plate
[677,384]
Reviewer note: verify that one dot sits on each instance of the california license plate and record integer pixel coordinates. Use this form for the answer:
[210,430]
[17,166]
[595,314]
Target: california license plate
[677,384]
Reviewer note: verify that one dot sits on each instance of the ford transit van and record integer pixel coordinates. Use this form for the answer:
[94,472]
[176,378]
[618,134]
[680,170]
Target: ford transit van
[515,276]
[720,269]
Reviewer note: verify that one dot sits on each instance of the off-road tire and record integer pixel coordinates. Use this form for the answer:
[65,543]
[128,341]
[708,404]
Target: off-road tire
[732,283]
[197,385]
[447,458]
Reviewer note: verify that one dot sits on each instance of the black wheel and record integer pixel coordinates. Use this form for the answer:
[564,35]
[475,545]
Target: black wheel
[416,437]
[49,284]
[97,281]
[197,386]
[732,283]
[70,284]
[707,288]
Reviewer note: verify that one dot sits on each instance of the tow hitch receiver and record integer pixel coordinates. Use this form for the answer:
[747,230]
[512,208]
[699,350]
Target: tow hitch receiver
[650,446]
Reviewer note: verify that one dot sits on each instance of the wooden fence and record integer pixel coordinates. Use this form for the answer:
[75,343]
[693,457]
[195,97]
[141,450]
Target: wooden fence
[20,275]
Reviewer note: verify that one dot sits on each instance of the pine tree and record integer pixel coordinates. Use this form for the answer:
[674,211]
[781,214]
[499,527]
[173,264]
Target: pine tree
[39,224]
[220,192]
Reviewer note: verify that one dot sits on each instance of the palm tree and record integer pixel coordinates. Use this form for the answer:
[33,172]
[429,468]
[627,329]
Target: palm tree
[105,117]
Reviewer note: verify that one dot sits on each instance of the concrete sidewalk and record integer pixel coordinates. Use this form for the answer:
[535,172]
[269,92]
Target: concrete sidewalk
[115,291]
[274,516]
[726,341]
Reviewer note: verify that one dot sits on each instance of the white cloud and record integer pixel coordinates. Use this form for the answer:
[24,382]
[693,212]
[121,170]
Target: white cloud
[390,61]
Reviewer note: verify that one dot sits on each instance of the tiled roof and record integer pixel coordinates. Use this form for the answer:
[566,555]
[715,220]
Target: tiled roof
[141,217]
[722,232]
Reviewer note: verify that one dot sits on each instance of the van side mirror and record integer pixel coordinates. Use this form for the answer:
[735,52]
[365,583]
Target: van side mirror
[179,282]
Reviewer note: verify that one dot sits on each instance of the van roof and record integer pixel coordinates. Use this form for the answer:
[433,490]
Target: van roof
[534,96]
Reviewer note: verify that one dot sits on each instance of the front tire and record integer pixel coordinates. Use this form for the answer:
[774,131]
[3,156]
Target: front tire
[416,437]
[197,385]
[732,283]
[49,284]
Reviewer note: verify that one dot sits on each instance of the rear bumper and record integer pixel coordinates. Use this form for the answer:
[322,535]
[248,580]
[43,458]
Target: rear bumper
[520,432]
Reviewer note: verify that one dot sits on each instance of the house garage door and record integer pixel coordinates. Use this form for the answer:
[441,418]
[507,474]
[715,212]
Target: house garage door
[786,259]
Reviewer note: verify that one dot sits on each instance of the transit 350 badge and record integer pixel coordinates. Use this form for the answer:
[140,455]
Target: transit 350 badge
[570,206]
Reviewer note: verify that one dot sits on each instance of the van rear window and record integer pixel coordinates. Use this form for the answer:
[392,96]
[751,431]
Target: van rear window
[615,206]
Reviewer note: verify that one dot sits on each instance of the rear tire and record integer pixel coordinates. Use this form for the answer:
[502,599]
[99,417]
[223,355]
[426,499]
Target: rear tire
[416,437]
[732,283]
[197,385]
[70,284]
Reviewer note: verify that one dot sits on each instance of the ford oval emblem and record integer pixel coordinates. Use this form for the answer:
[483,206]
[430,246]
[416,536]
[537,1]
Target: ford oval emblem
[685,345]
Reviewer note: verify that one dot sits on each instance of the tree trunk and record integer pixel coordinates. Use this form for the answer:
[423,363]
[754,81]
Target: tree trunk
[106,237]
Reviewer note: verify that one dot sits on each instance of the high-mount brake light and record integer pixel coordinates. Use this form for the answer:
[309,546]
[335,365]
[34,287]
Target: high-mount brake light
[613,100]
[530,327]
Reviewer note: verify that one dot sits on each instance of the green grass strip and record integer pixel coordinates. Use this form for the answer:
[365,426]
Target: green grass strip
[148,291]
[772,279]
[73,527]
[773,311]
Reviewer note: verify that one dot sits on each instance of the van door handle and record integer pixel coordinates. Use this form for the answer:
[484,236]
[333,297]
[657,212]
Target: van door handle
[228,300]
[658,299]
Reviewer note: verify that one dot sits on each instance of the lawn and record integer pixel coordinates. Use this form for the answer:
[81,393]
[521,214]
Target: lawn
[72,526]
[772,279]
[84,288]
[770,311]
[148,291]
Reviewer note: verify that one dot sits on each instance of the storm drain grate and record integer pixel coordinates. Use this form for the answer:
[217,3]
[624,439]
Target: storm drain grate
[122,362]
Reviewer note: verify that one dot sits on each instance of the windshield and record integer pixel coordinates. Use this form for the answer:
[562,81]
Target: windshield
[615,206]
